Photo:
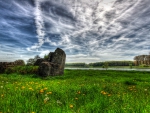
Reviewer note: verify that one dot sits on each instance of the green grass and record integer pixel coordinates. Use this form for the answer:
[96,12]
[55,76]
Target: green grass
[80,91]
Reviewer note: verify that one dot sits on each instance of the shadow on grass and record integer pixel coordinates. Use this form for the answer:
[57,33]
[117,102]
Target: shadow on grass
[130,83]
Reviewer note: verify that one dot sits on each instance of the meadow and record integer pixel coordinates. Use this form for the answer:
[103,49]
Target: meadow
[77,91]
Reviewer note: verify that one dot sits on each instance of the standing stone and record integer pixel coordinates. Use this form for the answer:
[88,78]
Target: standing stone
[55,64]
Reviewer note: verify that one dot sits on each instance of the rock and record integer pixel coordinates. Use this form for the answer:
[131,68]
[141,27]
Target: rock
[39,61]
[45,69]
[55,64]
[2,67]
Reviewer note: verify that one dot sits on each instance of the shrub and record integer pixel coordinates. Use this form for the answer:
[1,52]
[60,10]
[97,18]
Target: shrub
[144,65]
[9,70]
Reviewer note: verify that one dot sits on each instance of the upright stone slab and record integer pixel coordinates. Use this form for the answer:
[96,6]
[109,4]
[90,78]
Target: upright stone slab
[55,64]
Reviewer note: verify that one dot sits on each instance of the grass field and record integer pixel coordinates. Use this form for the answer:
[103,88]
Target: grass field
[77,91]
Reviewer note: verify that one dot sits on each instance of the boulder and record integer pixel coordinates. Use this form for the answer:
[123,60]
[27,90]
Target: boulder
[39,61]
[55,64]
[44,69]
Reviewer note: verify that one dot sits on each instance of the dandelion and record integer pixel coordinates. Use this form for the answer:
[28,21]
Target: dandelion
[58,102]
[41,91]
[109,95]
[76,98]
[103,92]
[45,89]
[79,92]
[22,87]
[145,89]
[71,106]
[46,99]
[49,92]
[31,88]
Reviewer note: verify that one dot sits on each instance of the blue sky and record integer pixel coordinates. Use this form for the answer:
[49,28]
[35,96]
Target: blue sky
[87,30]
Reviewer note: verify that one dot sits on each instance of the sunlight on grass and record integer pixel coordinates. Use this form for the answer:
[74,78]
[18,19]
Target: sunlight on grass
[77,91]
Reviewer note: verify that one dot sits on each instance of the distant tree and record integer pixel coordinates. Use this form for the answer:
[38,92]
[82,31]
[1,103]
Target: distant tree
[30,61]
[130,64]
[36,57]
[46,57]
[106,65]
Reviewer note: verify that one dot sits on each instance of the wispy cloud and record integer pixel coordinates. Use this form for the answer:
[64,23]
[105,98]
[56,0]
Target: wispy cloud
[87,30]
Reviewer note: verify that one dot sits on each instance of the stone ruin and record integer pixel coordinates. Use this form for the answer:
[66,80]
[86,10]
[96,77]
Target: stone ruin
[54,65]
[5,65]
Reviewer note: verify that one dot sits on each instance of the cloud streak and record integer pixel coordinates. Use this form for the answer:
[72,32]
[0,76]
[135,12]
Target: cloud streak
[88,30]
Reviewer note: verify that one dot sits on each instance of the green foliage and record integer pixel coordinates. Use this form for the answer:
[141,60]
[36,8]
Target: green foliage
[106,65]
[22,70]
[46,57]
[31,61]
[144,65]
[112,63]
[76,65]
[79,91]
[9,70]
[130,65]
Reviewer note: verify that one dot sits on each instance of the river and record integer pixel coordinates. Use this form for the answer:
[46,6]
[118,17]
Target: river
[119,69]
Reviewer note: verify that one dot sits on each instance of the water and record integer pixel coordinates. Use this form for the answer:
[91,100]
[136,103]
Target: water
[119,69]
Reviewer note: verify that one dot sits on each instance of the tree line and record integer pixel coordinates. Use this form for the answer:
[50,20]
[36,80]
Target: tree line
[101,64]
[142,59]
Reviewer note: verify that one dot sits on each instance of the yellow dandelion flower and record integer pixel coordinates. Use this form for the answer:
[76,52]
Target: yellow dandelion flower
[104,93]
[41,91]
[30,88]
[76,98]
[71,106]
[49,92]
[109,95]
[45,89]
[22,87]
[79,92]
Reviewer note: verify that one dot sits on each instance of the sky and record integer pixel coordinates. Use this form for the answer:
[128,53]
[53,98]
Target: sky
[87,30]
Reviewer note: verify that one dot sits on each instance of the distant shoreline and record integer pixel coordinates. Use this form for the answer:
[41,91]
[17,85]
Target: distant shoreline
[117,69]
